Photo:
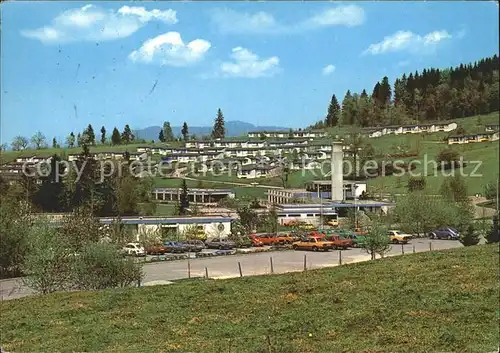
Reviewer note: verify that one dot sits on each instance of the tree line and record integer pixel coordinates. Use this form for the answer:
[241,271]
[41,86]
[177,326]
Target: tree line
[88,136]
[118,193]
[430,95]
[218,131]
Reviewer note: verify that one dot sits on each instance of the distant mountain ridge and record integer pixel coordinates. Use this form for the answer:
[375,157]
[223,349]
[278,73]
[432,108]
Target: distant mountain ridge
[233,128]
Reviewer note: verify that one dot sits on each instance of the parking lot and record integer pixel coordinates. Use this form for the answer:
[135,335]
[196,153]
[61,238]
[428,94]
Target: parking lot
[251,264]
[283,261]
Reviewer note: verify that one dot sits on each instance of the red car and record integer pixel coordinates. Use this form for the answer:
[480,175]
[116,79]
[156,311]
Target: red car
[156,249]
[256,241]
[340,242]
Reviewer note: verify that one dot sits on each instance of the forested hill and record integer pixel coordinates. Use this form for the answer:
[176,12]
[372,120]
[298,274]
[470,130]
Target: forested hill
[430,95]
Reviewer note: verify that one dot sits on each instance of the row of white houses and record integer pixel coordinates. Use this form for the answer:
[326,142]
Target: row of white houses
[473,138]
[307,133]
[411,129]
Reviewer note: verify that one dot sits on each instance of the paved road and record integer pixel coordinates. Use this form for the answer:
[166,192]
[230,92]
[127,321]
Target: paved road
[251,264]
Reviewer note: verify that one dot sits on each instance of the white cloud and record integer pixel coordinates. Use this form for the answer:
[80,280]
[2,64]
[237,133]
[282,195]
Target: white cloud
[350,15]
[407,40]
[169,49]
[248,65]
[230,21]
[328,70]
[91,23]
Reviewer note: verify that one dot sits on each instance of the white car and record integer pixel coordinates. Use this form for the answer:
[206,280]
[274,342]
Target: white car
[399,237]
[134,249]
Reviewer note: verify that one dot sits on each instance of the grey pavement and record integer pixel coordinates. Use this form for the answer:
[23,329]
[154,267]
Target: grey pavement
[251,264]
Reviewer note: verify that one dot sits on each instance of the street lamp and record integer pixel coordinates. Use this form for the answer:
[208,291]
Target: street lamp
[355,187]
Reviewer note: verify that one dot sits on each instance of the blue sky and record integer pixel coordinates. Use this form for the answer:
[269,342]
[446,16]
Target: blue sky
[68,64]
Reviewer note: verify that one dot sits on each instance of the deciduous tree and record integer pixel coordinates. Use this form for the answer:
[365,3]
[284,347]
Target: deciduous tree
[167,132]
[38,140]
[376,241]
[19,143]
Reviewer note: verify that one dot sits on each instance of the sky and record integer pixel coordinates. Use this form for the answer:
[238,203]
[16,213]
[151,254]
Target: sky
[67,64]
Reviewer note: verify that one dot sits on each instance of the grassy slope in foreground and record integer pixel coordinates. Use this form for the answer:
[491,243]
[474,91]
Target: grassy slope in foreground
[444,301]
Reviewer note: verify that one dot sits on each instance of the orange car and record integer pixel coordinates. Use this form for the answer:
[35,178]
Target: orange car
[313,243]
[156,249]
[273,239]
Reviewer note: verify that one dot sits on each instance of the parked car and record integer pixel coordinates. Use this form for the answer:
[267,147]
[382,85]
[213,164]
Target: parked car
[134,249]
[445,233]
[284,239]
[333,222]
[340,242]
[220,243]
[357,240]
[313,243]
[306,226]
[399,237]
[194,245]
[156,249]
[276,239]
[266,239]
[256,241]
[174,246]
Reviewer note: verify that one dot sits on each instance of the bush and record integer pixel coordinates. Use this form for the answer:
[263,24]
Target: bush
[14,225]
[101,266]
[416,184]
[448,158]
[494,235]
[51,264]
[471,237]
[48,260]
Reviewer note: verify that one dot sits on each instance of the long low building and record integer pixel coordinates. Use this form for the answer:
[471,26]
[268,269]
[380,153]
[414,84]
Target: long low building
[314,191]
[167,226]
[196,195]
[317,213]
[411,129]
[473,138]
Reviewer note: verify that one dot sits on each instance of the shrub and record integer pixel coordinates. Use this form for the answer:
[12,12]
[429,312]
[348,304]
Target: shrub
[494,235]
[48,260]
[101,266]
[448,158]
[471,237]
[415,184]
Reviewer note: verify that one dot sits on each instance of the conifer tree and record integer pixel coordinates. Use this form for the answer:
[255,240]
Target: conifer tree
[185,131]
[116,138]
[103,135]
[219,130]
[333,114]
